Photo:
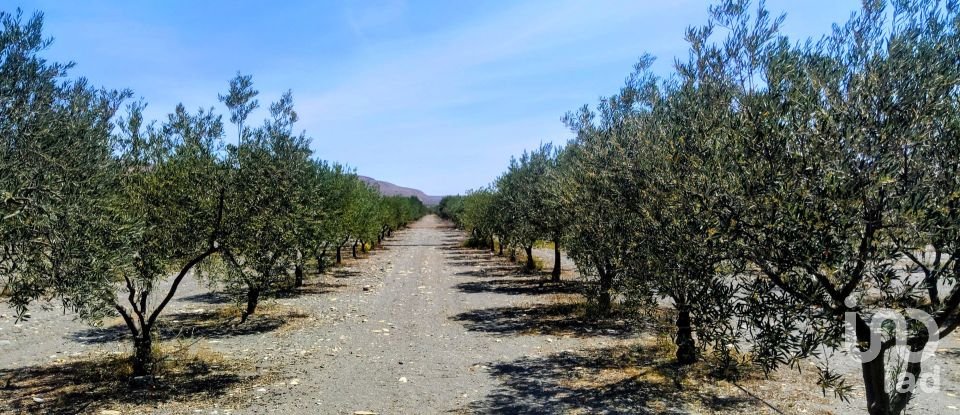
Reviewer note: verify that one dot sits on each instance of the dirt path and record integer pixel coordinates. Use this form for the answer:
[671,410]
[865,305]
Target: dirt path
[420,326]
[421,339]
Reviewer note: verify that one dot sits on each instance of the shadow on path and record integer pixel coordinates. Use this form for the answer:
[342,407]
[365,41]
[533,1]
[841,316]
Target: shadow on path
[614,380]
[212,297]
[517,286]
[311,288]
[205,324]
[543,319]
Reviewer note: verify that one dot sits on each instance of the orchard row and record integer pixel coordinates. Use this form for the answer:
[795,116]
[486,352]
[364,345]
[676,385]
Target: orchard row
[779,196]
[108,213]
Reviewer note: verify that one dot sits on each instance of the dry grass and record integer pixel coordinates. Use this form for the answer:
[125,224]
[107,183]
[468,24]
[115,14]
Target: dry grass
[522,259]
[646,366]
[648,362]
[184,376]
[294,319]
[543,244]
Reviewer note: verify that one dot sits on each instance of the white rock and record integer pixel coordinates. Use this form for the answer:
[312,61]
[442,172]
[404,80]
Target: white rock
[402,380]
[38,399]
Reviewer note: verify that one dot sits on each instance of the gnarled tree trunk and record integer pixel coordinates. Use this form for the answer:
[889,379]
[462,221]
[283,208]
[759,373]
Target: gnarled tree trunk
[686,348]
[530,264]
[879,400]
[253,298]
[143,359]
[298,275]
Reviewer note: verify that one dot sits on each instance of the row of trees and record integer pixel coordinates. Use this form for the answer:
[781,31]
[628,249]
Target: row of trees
[781,197]
[100,207]
[519,209]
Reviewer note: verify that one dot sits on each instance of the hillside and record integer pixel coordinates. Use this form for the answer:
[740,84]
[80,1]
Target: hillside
[390,189]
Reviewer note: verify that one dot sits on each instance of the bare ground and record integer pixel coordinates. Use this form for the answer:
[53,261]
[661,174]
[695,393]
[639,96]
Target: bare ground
[421,326]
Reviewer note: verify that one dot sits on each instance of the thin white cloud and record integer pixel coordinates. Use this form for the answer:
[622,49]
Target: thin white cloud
[431,72]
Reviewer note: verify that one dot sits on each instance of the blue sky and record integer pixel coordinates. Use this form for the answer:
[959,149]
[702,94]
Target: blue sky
[435,95]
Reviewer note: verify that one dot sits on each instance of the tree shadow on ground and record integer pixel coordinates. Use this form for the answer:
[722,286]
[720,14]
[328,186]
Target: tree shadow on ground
[518,286]
[487,272]
[545,319]
[614,380]
[471,259]
[453,247]
[437,245]
[211,324]
[470,256]
[471,263]
[311,288]
[343,273]
[212,297]
[86,386]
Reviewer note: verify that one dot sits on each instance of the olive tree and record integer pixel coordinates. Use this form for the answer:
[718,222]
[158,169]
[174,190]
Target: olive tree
[847,207]
[475,219]
[451,208]
[56,174]
[598,243]
[263,203]
[169,212]
[88,215]
[522,199]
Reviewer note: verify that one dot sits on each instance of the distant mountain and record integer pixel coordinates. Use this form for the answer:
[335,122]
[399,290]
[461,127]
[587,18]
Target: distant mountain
[390,189]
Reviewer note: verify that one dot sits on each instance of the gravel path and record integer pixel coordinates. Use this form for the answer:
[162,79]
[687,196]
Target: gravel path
[418,342]
[421,326]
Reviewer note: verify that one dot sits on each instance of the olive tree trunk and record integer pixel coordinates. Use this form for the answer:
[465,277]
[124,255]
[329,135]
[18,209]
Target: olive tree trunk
[530,264]
[298,275]
[686,348]
[604,302]
[253,299]
[875,378]
[321,262]
[555,275]
[143,358]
